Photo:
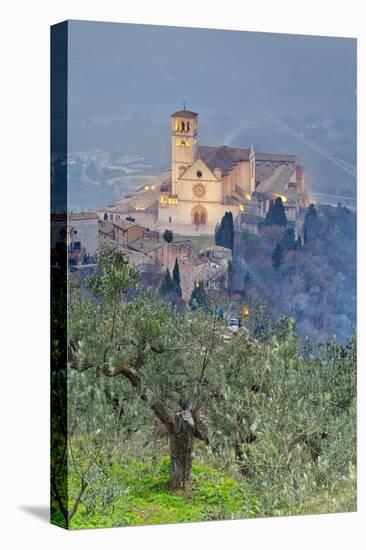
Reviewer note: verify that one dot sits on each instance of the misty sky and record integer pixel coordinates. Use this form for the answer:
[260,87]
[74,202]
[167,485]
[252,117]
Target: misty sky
[232,78]
[115,66]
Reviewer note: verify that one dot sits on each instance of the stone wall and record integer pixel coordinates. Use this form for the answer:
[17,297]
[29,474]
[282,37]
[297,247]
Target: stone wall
[184,253]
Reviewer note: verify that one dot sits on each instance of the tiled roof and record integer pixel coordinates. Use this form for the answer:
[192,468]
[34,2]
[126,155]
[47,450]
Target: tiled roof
[275,157]
[186,114]
[137,259]
[105,227]
[83,215]
[278,181]
[145,245]
[124,224]
[223,157]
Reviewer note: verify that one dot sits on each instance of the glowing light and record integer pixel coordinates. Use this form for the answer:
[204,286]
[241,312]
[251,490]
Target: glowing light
[241,207]
[246,312]
[248,197]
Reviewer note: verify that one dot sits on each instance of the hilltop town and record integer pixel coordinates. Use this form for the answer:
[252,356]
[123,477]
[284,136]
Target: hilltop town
[189,201]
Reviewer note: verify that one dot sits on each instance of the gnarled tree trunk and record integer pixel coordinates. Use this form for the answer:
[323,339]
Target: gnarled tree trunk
[181,445]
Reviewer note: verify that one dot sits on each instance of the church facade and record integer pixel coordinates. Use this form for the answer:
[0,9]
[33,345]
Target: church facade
[204,182]
[207,181]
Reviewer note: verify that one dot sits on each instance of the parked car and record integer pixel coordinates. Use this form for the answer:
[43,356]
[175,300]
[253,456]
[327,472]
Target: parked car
[234,325]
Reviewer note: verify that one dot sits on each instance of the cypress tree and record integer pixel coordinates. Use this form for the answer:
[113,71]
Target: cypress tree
[176,279]
[288,241]
[167,285]
[311,224]
[218,235]
[168,236]
[276,214]
[277,256]
[224,233]
[230,230]
[279,214]
[198,297]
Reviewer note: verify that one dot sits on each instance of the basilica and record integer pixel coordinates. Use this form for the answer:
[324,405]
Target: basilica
[204,182]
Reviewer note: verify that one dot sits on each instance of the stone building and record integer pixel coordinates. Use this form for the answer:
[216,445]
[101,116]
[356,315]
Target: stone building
[83,232]
[121,231]
[212,268]
[204,182]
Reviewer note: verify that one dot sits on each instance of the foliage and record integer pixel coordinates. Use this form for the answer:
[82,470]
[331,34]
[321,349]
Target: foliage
[168,236]
[276,214]
[288,240]
[277,255]
[315,283]
[287,419]
[311,224]
[176,278]
[170,289]
[198,297]
[167,285]
[274,421]
[224,234]
[137,494]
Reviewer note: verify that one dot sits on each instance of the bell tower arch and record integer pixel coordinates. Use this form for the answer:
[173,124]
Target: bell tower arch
[184,143]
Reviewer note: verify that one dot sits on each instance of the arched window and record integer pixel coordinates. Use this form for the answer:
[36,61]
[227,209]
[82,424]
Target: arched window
[183,126]
[188,126]
[105,217]
[176,125]
[199,215]
[182,143]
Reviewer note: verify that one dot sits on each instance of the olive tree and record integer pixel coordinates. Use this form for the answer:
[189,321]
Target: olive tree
[123,332]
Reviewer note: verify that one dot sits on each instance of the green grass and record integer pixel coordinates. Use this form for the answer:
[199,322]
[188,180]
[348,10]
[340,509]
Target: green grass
[131,492]
[147,500]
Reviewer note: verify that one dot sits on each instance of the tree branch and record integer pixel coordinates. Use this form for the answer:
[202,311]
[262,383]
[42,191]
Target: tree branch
[162,411]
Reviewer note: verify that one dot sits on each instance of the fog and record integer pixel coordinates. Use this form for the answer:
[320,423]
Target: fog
[248,88]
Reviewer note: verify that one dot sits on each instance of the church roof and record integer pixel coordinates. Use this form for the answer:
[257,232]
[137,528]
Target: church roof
[144,198]
[275,157]
[185,114]
[278,181]
[145,245]
[222,157]
[125,225]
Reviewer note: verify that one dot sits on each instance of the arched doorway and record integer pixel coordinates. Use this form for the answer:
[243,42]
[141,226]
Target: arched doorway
[199,215]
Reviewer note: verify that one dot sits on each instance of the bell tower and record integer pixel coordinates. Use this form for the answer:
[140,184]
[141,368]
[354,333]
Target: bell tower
[184,143]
